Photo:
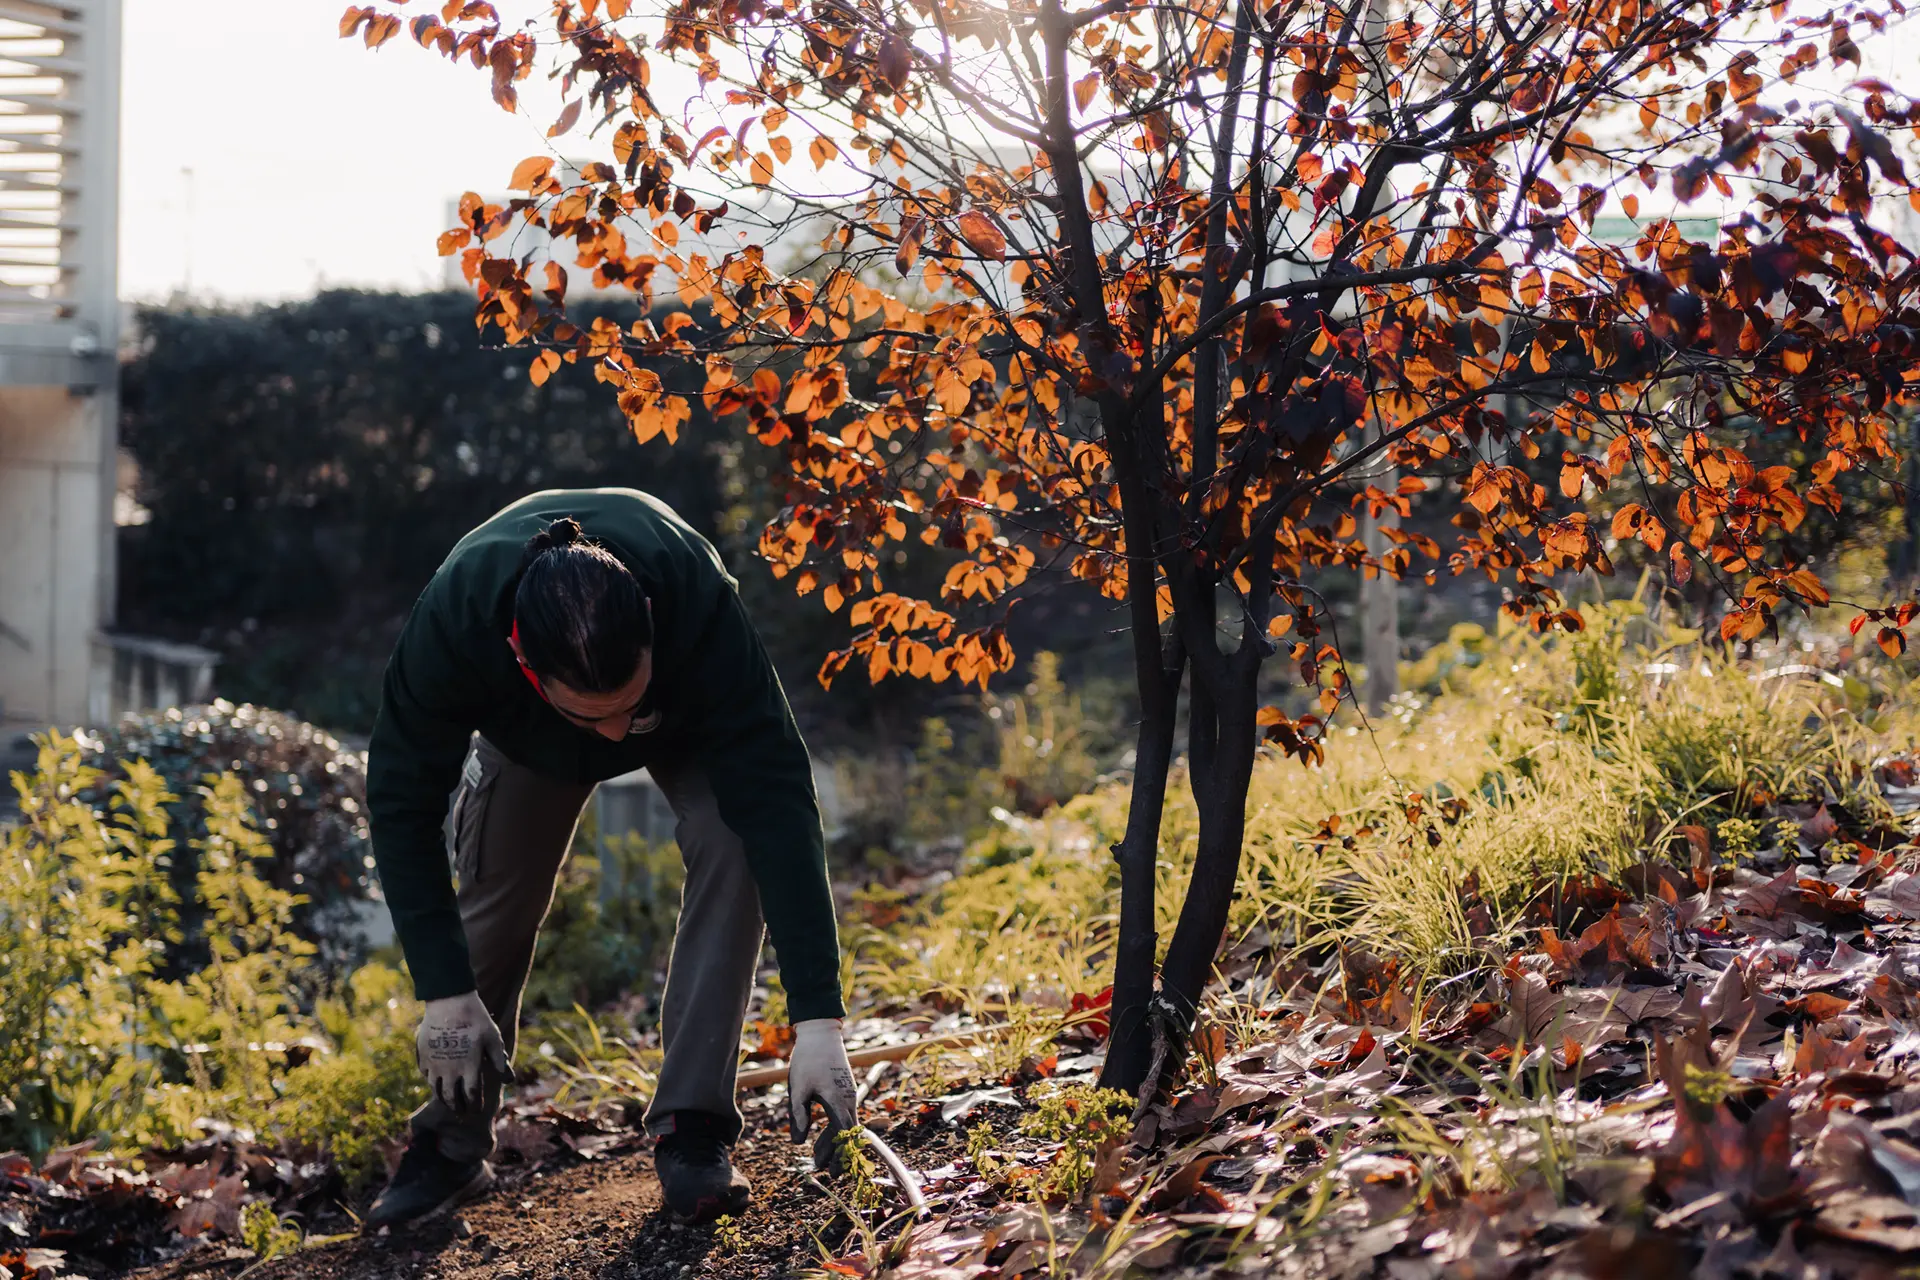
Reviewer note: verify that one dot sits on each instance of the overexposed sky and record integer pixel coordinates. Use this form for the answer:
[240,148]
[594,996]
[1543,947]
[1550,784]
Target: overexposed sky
[313,161]
[264,157]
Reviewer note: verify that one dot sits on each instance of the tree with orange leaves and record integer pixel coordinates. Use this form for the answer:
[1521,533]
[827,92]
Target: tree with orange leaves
[1151,293]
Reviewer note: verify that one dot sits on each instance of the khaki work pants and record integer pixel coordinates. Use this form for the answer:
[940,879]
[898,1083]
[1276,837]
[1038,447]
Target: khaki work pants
[510,831]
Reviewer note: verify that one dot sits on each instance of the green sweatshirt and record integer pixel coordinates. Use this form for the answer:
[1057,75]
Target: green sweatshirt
[720,703]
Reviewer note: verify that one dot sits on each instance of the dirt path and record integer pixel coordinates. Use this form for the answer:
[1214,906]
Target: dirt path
[598,1219]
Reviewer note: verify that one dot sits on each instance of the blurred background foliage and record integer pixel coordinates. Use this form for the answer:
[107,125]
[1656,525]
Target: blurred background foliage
[300,470]
[308,790]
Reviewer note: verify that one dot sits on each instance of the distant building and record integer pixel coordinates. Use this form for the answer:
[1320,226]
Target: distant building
[59,330]
[60,664]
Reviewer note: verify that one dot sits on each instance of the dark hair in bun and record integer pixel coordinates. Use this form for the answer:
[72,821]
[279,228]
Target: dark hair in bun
[581,615]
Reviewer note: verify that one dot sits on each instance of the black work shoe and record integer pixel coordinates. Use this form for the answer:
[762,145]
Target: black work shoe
[427,1184]
[697,1179]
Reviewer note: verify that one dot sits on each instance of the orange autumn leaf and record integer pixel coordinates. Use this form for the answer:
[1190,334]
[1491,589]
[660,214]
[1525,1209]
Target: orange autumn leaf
[978,230]
[530,173]
[569,116]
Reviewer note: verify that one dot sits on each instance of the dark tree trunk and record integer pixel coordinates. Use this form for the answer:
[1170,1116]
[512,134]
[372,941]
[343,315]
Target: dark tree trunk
[1159,518]
[1215,705]
[1222,797]
[1130,1051]
[1157,667]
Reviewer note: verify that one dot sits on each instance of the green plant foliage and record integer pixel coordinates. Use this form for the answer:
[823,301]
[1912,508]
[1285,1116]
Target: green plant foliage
[99,1041]
[1738,835]
[981,1154]
[1018,755]
[267,1233]
[1082,1119]
[1446,665]
[224,1017]
[1045,742]
[597,1065]
[344,1103]
[729,1237]
[85,911]
[1706,1086]
[308,789]
[857,1169]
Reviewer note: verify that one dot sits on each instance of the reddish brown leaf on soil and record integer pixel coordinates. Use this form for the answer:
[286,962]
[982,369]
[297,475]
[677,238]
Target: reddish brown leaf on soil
[1109,1167]
[1818,1052]
[1627,1253]
[1533,1010]
[1751,1160]
[1820,828]
[1181,1187]
[63,1163]
[1700,845]
[1904,893]
[1820,1005]
[1765,900]
[1892,996]
[1091,1011]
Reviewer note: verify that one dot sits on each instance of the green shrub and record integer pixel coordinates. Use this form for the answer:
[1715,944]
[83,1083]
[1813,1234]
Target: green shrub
[232,1018]
[267,1233]
[343,1103]
[307,789]
[1446,665]
[1015,756]
[1083,1120]
[1045,742]
[85,913]
[98,1041]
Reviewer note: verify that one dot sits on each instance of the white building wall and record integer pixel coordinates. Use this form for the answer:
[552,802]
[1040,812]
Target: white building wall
[56,549]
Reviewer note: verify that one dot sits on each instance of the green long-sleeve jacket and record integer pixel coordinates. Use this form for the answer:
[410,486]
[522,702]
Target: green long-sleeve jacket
[720,703]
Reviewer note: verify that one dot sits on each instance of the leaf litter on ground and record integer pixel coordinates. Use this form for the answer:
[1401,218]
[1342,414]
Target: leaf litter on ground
[1710,1068]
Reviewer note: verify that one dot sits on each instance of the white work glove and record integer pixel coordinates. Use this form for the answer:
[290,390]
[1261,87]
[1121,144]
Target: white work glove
[456,1041]
[818,1071]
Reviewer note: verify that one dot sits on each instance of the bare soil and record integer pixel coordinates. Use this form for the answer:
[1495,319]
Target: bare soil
[566,1217]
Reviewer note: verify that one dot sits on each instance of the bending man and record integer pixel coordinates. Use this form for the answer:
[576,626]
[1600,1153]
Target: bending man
[575,636]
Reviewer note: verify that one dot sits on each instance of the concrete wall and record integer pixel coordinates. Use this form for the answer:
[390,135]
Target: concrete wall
[57,473]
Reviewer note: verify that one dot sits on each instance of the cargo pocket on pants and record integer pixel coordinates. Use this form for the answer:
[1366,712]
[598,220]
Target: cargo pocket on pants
[469,818]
